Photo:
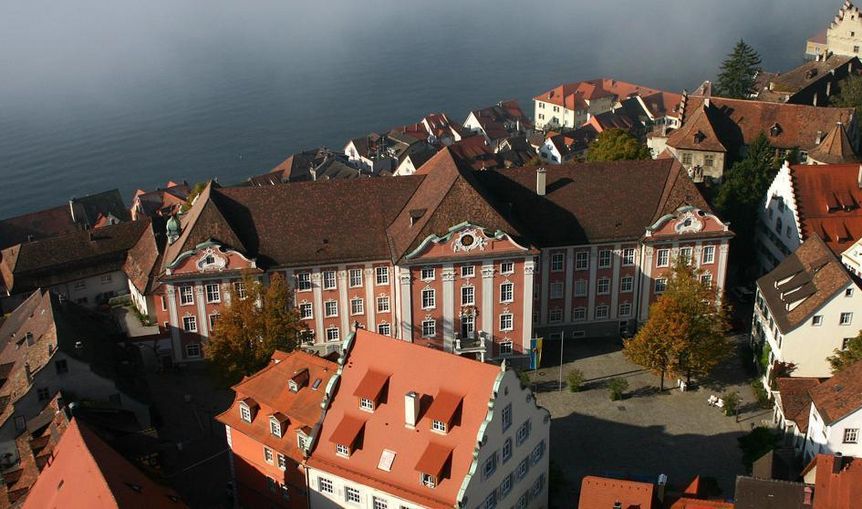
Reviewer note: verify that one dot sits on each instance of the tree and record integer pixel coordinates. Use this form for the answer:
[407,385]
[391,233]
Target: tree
[742,193]
[250,329]
[851,354]
[190,199]
[738,72]
[850,94]
[686,330]
[617,145]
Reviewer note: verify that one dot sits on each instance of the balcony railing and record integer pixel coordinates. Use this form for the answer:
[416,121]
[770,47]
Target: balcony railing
[474,342]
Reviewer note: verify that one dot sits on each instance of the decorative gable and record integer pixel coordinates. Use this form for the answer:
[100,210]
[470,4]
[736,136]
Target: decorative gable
[466,238]
[209,257]
[688,221]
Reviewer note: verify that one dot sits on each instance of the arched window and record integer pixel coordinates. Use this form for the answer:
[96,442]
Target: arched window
[778,225]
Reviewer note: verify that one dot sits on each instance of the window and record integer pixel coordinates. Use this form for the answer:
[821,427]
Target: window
[778,225]
[708,160]
[468,271]
[468,296]
[522,502]
[846,319]
[328,279]
[306,311]
[523,433]
[330,308]
[604,258]
[190,324]
[357,306]
[555,315]
[626,284]
[355,278]
[628,257]
[538,486]
[706,280]
[438,425]
[379,503]
[429,298]
[848,292]
[507,450]
[625,309]
[61,366]
[303,281]
[582,260]
[342,450]
[603,286]
[855,49]
[282,461]
[490,465]
[581,288]
[708,255]
[686,158]
[507,292]
[845,343]
[274,426]
[213,318]
[557,290]
[80,285]
[271,484]
[505,348]
[506,322]
[106,279]
[384,329]
[663,258]
[660,285]
[428,480]
[601,312]
[186,295]
[164,302]
[244,412]
[851,435]
[43,394]
[685,254]
[557,262]
[352,495]
[817,320]
[324,485]
[285,494]
[490,501]
[507,268]
[507,417]
[267,454]
[429,328]
[579,314]
[383,304]
[193,350]
[366,404]
[239,288]
[427,274]
[538,452]
[506,486]
[382,275]
[523,468]
[213,293]
[333,334]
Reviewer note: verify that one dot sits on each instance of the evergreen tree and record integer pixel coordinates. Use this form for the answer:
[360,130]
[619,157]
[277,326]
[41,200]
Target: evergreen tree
[738,71]
[844,358]
[617,145]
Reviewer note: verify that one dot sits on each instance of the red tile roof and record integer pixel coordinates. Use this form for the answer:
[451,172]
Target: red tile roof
[829,203]
[371,385]
[839,488]
[839,396]
[414,369]
[603,493]
[573,96]
[795,400]
[434,459]
[86,473]
[835,148]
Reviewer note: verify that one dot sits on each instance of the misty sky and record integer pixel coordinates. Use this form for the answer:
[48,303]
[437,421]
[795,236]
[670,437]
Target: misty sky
[100,94]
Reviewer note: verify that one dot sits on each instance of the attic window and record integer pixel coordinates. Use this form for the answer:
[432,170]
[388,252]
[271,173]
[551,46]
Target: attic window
[775,130]
[416,215]
[299,380]
[247,410]
[316,384]
[699,137]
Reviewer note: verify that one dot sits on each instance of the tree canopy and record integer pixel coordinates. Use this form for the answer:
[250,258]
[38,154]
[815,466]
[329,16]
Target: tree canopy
[685,334]
[738,72]
[850,355]
[617,145]
[250,329]
[850,94]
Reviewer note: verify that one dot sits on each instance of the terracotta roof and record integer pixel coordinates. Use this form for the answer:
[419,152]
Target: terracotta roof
[829,203]
[573,142]
[499,121]
[142,262]
[87,473]
[347,430]
[837,488]
[603,493]
[802,283]
[835,148]
[371,385]
[839,396]
[417,369]
[697,133]
[434,459]
[162,201]
[268,391]
[573,96]
[444,406]
[795,400]
[778,87]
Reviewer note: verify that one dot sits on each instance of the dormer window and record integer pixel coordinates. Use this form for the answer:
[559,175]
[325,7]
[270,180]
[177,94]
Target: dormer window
[429,480]
[444,410]
[298,380]
[247,409]
[434,464]
[371,390]
[347,434]
[775,130]
[437,425]
[293,386]
[244,413]
[342,450]
[366,404]
[275,426]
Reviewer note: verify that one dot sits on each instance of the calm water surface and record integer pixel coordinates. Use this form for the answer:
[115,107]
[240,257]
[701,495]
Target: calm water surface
[102,94]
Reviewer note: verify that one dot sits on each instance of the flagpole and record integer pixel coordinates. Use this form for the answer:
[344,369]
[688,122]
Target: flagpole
[562,345]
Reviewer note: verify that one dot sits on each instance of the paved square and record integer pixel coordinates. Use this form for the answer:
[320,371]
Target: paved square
[647,433]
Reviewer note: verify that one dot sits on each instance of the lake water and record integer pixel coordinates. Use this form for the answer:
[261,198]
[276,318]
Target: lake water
[103,94]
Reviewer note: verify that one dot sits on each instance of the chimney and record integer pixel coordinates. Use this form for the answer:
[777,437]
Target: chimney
[411,409]
[837,463]
[819,138]
[541,181]
[28,373]
[660,487]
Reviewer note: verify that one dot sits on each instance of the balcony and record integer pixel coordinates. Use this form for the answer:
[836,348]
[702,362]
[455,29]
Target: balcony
[471,343]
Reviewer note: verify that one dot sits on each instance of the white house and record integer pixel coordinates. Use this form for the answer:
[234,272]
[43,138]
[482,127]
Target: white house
[805,310]
[836,415]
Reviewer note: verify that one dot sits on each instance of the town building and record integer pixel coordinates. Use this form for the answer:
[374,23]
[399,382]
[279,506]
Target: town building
[567,146]
[811,83]
[804,311]
[604,492]
[163,202]
[837,480]
[714,131]
[754,493]
[412,162]
[573,104]
[836,415]
[84,471]
[476,263]
[836,148]
[842,37]
[51,347]
[805,201]
[377,154]
[499,122]
[401,432]
[315,164]
[792,407]
[272,424]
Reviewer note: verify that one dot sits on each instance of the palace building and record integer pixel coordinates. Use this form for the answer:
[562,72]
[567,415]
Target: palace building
[477,263]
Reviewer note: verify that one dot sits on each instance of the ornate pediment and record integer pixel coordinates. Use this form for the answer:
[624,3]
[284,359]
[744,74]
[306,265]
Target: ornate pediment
[209,257]
[465,238]
[687,221]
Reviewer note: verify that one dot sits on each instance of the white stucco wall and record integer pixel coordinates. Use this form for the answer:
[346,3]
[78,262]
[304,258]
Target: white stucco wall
[779,196]
[829,439]
[87,291]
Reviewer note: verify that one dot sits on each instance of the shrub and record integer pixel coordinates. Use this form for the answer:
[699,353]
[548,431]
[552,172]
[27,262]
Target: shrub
[757,443]
[617,387]
[525,378]
[575,379]
[731,403]
[761,394]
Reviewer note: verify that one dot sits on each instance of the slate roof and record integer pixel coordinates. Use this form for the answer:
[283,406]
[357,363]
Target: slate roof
[779,86]
[803,282]
[839,396]
[829,203]
[754,493]
[494,119]
[835,148]
[163,201]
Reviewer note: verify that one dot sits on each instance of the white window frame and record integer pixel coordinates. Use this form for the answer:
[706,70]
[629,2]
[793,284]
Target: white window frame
[352,495]
[306,306]
[605,258]
[579,314]
[663,281]
[384,329]
[366,404]
[506,347]
[628,257]
[268,456]
[429,328]
[303,281]
[625,309]
[851,436]
[581,288]
[244,412]
[507,321]
[214,296]
[274,426]
[468,271]
[468,291]
[627,284]
[557,294]
[817,320]
[427,273]
[357,306]
[355,278]
[187,295]
[380,300]
[330,280]
[662,258]
[507,267]
[342,450]
[429,298]
[849,318]
[381,276]
[325,485]
[605,314]
[438,425]
[607,284]
[191,325]
[555,315]
[507,288]
[582,260]
[330,308]
[707,256]
[333,334]
[558,262]
[686,254]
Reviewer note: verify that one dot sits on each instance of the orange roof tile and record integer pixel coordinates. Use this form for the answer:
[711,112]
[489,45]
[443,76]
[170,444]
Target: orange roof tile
[371,385]
[795,401]
[839,396]
[837,488]
[603,493]
[347,431]
[444,406]
[829,203]
[434,459]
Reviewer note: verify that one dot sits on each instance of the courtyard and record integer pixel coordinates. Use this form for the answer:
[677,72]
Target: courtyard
[648,432]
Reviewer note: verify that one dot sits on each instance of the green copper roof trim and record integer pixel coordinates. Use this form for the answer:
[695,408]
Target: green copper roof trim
[185,254]
[663,219]
[433,238]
